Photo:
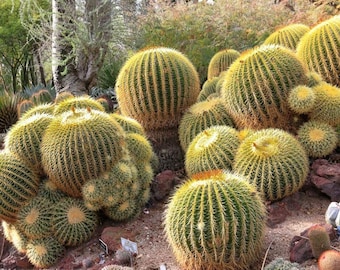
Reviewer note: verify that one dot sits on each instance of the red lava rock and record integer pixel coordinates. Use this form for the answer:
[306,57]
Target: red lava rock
[277,213]
[23,263]
[112,237]
[300,249]
[163,184]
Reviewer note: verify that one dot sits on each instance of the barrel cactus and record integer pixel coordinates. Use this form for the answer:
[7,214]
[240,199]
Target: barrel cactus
[274,161]
[208,88]
[329,260]
[79,145]
[288,36]
[200,116]
[79,102]
[301,99]
[256,87]
[129,124]
[319,240]
[73,223]
[47,108]
[214,148]
[215,221]
[320,49]
[24,106]
[24,138]
[319,139]
[327,104]
[16,237]
[18,183]
[221,61]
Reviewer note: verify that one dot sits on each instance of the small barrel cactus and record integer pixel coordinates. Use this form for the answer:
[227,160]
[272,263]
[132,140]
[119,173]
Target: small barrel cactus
[46,108]
[320,50]
[318,138]
[274,161]
[319,240]
[23,107]
[139,147]
[200,116]
[301,99]
[129,124]
[215,221]
[73,223]
[208,88]
[212,149]
[44,252]
[282,264]
[221,61]
[79,145]
[329,260]
[18,183]
[327,104]
[288,36]
[79,102]
[42,96]
[257,85]
[123,211]
[13,235]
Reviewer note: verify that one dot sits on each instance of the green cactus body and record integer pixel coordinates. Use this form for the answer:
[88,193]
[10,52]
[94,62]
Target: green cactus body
[208,88]
[15,236]
[320,49]
[62,96]
[282,264]
[80,102]
[220,82]
[34,218]
[80,145]
[46,108]
[318,138]
[288,36]
[327,104]
[329,260]
[42,96]
[139,147]
[24,106]
[221,61]
[18,183]
[274,161]
[44,252]
[123,211]
[49,190]
[257,85]
[319,240]
[301,99]
[215,221]
[313,78]
[200,116]
[155,86]
[24,139]
[129,124]
[73,223]
[214,148]
[92,193]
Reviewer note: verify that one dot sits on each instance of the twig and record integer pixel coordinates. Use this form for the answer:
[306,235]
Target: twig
[266,254]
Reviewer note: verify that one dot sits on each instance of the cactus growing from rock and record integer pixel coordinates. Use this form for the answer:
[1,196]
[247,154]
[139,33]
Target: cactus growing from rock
[221,61]
[215,220]
[200,116]
[80,145]
[320,50]
[274,161]
[319,240]
[318,138]
[212,149]
[288,36]
[256,87]
[329,260]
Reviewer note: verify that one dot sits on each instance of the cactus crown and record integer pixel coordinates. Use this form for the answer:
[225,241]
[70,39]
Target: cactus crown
[221,62]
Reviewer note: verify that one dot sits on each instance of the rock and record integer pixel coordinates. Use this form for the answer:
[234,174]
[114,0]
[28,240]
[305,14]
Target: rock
[123,257]
[112,237]
[23,263]
[300,249]
[163,184]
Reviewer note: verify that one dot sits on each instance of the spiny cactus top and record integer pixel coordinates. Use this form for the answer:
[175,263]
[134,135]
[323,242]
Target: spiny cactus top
[79,145]
[256,87]
[288,36]
[320,49]
[79,102]
[214,221]
[221,62]
[155,86]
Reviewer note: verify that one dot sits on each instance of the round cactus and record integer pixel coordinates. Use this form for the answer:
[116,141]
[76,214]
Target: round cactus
[49,191]
[139,147]
[15,236]
[274,161]
[44,252]
[46,108]
[208,88]
[200,116]
[288,36]
[24,106]
[319,240]
[257,85]
[301,99]
[318,138]
[24,138]
[61,96]
[320,49]
[80,102]
[129,124]
[73,223]
[42,96]
[80,145]
[215,221]
[123,211]
[282,264]
[18,183]
[327,104]
[34,218]
[214,148]
[329,260]
[313,78]
[221,61]
[155,86]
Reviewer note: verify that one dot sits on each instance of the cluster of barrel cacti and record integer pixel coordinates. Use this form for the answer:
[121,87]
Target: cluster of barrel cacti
[62,163]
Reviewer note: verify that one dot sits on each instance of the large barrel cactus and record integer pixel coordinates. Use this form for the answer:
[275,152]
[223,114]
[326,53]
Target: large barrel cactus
[221,62]
[215,221]
[288,36]
[257,85]
[320,49]
[79,145]
[274,161]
